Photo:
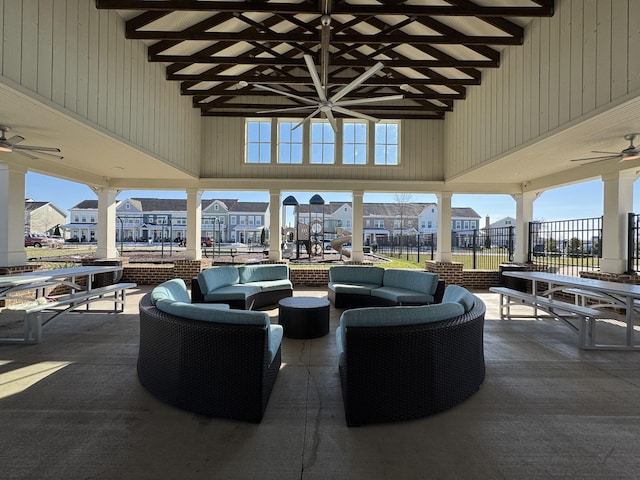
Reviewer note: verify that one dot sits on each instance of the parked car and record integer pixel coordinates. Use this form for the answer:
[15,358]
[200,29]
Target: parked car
[206,241]
[35,240]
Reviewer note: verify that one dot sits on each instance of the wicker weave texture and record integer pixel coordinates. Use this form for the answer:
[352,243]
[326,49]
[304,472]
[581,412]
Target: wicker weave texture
[215,369]
[400,373]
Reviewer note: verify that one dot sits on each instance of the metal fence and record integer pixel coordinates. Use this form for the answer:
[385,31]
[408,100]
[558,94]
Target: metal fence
[484,249]
[566,246]
[633,243]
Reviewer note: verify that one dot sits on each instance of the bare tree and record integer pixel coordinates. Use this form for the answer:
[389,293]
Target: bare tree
[402,202]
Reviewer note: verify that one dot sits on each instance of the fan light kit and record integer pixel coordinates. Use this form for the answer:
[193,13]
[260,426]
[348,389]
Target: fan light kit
[334,103]
[630,153]
[12,145]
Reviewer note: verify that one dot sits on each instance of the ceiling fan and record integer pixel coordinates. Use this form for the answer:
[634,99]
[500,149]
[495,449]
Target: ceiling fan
[632,152]
[328,105]
[30,151]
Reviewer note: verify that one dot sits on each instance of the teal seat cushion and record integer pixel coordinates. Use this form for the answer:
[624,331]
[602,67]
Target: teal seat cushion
[174,289]
[402,295]
[339,346]
[356,274]
[424,282]
[261,273]
[275,339]
[195,311]
[458,294]
[231,292]
[213,278]
[394,316]
[352,288]
[271,285]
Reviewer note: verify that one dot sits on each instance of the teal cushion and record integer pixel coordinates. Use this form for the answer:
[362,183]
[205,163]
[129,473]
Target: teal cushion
[231,292]
[261,273]
[353,288]
[458,294]
[213,278]
[174,289]
[195,311]
[339,346]
[402,295]
[396,316]
[356,274]
[271,285]
[275,339]
[423,282]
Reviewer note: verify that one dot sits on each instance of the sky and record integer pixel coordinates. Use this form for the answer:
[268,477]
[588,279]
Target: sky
[582,200]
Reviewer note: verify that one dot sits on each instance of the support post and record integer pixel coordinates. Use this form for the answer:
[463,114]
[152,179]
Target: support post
[443,254]
[524,215]
[194,224]
[106,222]
[357,234]
[275,220]
[618,202]
[12,192]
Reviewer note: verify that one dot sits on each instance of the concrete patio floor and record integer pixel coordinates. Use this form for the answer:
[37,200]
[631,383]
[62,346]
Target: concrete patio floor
[72,408]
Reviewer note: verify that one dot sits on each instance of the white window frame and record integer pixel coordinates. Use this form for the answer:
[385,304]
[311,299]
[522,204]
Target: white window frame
[383,147]
[289,143]
[354,146]
[264,146]
[328,147]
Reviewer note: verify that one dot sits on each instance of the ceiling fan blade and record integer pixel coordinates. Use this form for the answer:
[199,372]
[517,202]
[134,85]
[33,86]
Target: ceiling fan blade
[307,118]
[313,71]
[332,120]
[291,109]
[25,154]
[286,94]
[15,139]
[607,157]
[600,151]
[361,79]
[359,101]
[33,147]
[352,113]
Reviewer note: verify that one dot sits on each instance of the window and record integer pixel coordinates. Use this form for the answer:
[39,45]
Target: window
[378,223]
[322,143]
[84,219]
[127,205]
[258,220]
[354,150]
[289,143]
[386,143]
[367,222]
[347,224]
[92,219]
[258,141]
[216,207]
[243,220]
[76,218]
[466,224]
[233,220]
[250,219]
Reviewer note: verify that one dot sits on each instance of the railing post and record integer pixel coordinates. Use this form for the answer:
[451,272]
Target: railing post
[475,246]
[631,244]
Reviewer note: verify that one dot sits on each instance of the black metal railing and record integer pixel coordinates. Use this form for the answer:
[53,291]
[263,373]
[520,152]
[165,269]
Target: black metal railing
[633,243]
[566,246]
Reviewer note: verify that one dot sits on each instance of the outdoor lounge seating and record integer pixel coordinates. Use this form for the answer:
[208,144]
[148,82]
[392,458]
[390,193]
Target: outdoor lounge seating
[207,358]
[245,287]
[362,286]
[401,363]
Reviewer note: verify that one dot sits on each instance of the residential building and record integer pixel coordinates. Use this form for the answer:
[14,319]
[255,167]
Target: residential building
[42,217]
[165,219]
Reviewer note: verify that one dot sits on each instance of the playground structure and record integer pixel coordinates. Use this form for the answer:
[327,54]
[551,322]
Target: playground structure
[344,236]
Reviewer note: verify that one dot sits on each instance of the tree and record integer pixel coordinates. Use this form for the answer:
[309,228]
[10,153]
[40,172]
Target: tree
[402,202]
[574,247]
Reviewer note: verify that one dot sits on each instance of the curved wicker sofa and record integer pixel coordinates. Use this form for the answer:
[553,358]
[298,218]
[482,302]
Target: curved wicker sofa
[393,373]
[216,369]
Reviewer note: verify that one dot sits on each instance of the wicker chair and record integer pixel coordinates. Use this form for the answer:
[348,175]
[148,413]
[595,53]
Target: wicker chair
[405,372]
[216,369]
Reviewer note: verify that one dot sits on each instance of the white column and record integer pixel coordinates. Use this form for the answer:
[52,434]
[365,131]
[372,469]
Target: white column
[618,202]
[194,224]
[443,254]
[106,222]
[524,216]
[275,220]
[12,218]
[357,233]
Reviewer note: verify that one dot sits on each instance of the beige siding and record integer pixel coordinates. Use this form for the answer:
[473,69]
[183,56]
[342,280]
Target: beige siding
[421,152]
[570,65]
[70,53]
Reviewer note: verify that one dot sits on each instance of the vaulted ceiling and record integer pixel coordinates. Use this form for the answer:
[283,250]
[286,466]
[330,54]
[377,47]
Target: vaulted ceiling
[246,58]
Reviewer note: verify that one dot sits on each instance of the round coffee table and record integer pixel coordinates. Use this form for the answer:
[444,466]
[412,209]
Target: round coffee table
[304,317]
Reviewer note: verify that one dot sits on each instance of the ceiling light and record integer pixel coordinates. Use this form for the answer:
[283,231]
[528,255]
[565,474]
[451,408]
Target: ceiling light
[325,20]
[404,87]
[242,84]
